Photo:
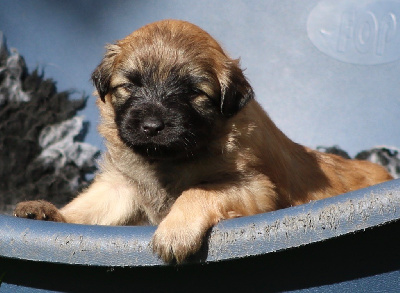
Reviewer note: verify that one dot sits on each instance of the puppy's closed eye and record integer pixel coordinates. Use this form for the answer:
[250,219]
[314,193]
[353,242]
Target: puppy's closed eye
[124,88]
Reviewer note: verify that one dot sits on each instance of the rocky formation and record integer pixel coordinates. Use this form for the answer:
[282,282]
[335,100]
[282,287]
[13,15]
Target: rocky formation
[42,153]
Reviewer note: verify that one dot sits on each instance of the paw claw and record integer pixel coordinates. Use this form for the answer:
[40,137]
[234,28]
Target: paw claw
[30,215]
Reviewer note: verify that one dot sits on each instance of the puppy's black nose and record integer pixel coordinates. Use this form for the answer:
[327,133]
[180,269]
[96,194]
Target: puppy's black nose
[151,126]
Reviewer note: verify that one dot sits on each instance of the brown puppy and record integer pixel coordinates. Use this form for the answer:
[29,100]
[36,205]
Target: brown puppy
[188,145]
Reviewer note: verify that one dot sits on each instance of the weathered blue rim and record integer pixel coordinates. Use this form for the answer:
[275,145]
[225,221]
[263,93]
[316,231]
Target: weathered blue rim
[316,221]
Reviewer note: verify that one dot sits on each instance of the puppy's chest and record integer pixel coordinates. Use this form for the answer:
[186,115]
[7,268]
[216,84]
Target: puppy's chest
[159,188]
[164,185]
[155,201]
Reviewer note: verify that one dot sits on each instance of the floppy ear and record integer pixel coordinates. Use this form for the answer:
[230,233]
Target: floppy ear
[101,76]
[235,89]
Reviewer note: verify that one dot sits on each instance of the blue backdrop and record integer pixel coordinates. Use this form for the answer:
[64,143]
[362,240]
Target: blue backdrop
[326,71]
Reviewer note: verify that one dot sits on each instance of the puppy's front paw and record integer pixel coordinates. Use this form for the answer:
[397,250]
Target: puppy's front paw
[38,210]
[177,239]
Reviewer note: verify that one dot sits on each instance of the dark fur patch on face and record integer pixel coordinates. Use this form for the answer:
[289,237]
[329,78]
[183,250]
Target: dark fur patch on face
[164,118]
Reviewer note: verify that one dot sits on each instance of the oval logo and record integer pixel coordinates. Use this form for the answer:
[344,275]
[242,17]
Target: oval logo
[357,31]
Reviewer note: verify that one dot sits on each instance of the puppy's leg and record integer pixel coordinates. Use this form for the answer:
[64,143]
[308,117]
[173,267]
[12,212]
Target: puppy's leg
[181,232]
[106,202]
[110,200]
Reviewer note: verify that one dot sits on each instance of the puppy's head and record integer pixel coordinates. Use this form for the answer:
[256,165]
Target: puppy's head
[171,85]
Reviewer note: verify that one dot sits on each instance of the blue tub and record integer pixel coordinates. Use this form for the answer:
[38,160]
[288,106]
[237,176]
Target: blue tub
[348,243]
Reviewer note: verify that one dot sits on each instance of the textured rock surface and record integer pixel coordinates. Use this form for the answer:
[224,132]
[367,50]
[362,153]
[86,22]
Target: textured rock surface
[12,68]
[42,153]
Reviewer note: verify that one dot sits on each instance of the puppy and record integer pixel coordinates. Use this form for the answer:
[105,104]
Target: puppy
[188,146]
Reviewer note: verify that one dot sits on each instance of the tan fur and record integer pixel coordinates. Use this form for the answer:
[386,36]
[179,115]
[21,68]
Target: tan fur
[250,167]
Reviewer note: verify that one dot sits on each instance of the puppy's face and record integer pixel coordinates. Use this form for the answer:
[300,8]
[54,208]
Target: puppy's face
[171,86]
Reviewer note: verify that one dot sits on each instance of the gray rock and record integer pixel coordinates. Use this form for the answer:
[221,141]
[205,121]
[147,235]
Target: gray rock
[61,148]
[12,67]
[43,154]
